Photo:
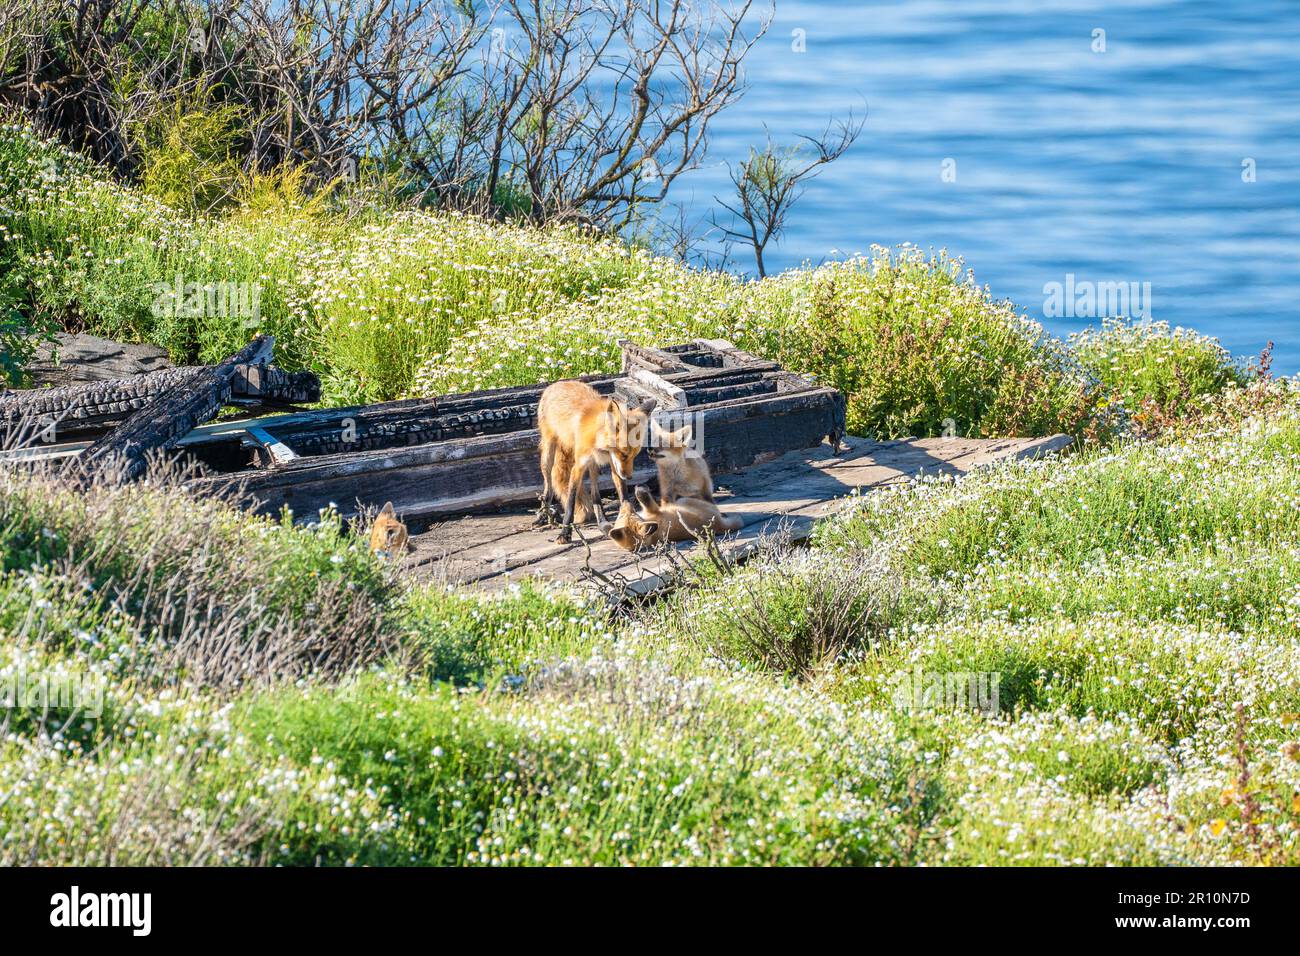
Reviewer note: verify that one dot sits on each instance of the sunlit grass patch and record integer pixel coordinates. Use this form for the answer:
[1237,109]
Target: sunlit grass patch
[469,638]
[1179,683]
[610,761]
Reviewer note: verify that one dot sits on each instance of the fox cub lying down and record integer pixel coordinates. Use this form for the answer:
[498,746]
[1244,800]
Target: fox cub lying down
[682,520]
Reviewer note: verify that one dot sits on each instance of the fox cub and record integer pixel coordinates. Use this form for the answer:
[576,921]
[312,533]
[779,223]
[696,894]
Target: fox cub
[581,431]
[388,536]
[683,472]
[683,520]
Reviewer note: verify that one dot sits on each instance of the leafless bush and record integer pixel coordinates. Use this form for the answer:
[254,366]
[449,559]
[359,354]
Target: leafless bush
[770,182]
[210,598]
[566,110]
[594,107]
[93,70]
[148,817]
[793,613]
[354,77]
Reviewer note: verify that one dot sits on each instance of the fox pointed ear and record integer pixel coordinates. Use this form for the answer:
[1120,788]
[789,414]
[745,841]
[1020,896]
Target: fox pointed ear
[684,434]
[648,405]
[650,528]
[387,509]
[620,535]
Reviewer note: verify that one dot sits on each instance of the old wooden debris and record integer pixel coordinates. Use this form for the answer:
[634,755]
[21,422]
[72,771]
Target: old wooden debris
[83,358]
[168,416]
[57,414]
[778,501]
[462,453]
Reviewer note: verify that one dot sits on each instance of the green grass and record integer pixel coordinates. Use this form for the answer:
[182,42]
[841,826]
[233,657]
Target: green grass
[384,302]
[1159,374]
[273,693]
[1137,606]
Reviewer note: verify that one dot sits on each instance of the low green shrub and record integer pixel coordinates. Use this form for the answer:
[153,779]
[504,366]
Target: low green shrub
[1161,375]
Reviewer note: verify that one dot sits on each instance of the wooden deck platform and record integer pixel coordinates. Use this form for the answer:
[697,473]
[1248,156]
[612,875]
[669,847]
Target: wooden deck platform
[786,495]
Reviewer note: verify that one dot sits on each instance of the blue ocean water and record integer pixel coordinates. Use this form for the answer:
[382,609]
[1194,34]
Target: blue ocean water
[1128,164]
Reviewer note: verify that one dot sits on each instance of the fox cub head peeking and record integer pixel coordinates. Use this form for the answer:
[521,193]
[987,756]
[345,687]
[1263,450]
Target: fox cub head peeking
[388,536]
[683,472]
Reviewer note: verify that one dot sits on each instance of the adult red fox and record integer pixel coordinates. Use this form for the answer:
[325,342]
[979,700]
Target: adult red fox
[580,432]
[683,472]
[683,520]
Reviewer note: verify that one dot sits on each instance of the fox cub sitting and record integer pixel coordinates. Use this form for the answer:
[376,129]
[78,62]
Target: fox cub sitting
[683,472]
[388,536]
[581,431]
[683,520]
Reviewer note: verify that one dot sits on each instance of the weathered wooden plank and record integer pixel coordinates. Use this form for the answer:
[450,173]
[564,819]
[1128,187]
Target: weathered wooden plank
[270,384]
[731,354]
[668,394]
[276,451]
[527,549]
[777,493]
[788,494]
[649,358]
[488,471]
[69,407]
[168,417]
[796,516]
[83,357]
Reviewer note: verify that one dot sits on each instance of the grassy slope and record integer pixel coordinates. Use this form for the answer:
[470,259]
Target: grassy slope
[274,693]
[1130,601]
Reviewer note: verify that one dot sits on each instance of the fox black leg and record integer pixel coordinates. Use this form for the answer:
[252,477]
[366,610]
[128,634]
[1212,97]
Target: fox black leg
[545,513]
[575,482]
[593,475]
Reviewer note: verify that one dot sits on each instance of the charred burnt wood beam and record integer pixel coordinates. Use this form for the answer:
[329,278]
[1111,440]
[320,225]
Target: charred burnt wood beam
[167,418]
[274,385]
[420,421]
[409,421]
[731,353]
[675,360]
[52,412]
[414,410]
[59,410]
[652,359]
[669,395]
[470,474]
